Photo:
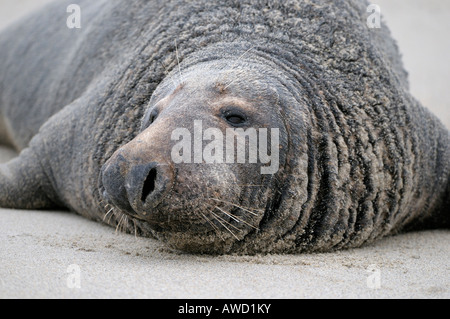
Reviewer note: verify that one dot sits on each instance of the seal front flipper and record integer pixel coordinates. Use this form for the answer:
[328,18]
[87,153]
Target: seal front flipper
[24,184]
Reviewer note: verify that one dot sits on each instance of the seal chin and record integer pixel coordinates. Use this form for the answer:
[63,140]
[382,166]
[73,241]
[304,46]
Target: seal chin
[135,188]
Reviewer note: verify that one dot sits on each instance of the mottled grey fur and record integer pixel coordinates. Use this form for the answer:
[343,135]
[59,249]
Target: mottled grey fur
[361,158]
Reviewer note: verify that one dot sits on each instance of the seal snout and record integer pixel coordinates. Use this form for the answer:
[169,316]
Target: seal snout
[136,188]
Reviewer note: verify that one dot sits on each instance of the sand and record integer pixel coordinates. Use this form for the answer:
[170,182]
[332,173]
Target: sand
[61,255]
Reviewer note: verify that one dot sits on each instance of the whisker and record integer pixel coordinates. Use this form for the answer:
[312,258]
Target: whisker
[235,205]
[234,217]
[228,214]
[178,59]
[110,216]
[125,224]
[120,221]
[216,229]
[135,228]
[109,212]
[238,59]
[219,220]
[167,71]
[210,222]
[228,223]
[229,84]
[233,66]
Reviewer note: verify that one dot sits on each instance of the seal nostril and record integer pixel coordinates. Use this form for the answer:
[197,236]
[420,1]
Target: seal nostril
[149,184]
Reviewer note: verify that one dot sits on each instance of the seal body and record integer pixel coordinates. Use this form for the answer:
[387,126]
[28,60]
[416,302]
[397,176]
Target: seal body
[94,111]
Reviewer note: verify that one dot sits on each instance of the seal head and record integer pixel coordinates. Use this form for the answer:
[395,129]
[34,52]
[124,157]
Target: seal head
[209,199]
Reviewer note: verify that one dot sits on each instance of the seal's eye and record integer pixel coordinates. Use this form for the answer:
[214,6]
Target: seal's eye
[235,118]
[149,119]
[152,117]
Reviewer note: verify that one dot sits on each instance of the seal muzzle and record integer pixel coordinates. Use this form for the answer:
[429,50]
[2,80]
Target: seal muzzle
[135,188]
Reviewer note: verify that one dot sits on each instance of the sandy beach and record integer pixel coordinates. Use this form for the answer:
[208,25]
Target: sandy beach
[46,254]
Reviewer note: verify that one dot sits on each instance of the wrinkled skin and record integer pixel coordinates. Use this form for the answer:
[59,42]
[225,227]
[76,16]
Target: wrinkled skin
[93,110]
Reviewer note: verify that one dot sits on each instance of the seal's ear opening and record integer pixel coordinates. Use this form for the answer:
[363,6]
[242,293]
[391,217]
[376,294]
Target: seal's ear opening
[149,118]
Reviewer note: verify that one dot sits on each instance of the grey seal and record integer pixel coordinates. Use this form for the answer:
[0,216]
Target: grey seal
[92,111]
